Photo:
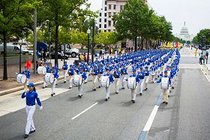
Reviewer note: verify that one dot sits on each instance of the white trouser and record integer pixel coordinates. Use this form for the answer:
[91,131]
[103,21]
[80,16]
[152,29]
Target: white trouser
[140,86]
[70,81]
[107,92]
[117,84]
[30,123]
[99,79]
[146,81]
[53,85]
[44,82]
[133,94]
[95,78]
[80,89]
[87,74]
[123,81]
[65,72]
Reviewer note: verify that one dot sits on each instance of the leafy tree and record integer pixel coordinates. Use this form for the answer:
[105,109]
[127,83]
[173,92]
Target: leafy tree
[13,18]
[106,38]
[205,33]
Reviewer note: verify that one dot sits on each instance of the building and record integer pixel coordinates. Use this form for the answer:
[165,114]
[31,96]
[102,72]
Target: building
[184,33]
[108,10]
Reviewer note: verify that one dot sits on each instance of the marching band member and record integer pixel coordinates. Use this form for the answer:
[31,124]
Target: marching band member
[88,71]
[165,83]
[80,87]
[134,83]
[95,76]
[56,75]
[117,80]
[146,81]
[65,70]
[27,73]
[48,70]
[110,80]
[141,81]
[71,73]
[31,98]
[123,76]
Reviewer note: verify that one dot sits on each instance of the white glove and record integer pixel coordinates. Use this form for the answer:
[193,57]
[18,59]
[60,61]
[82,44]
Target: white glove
[41,107]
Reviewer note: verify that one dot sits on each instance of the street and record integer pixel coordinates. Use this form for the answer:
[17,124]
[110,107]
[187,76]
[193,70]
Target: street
[67,117]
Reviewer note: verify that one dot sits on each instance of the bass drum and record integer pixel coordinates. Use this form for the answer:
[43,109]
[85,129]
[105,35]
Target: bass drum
[105,81]
[49,78]
[41,70]
[77,80]
[131,82]
[21,78]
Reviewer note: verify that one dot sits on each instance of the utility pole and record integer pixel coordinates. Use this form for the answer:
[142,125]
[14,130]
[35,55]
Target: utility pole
[35,39]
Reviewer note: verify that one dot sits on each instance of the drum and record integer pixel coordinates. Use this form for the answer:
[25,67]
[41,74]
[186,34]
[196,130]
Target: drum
[21,78]
[131,82]
[105,81]
[41,70]
[77,80]
[49,78]
[165,82]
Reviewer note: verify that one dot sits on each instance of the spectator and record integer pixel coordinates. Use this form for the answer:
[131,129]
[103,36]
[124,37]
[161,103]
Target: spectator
[207,56]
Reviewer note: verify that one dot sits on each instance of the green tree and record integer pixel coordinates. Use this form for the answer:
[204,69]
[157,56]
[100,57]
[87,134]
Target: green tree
[205,33]
[106,38]
[13,19]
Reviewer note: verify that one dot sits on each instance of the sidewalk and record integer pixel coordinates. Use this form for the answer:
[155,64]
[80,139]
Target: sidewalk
[11,85]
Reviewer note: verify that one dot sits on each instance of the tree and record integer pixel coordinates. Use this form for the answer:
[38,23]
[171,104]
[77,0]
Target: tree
[205,33]
[106,38]
[12,18]
[62,13]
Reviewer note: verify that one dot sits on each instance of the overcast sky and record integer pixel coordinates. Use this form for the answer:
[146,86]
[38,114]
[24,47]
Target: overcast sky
[196,13]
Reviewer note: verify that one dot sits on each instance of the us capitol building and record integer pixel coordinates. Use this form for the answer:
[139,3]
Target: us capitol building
[184,33]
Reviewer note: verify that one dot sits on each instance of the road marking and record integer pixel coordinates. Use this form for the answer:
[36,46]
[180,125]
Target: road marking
[205,74]
[84,111]
[145,131]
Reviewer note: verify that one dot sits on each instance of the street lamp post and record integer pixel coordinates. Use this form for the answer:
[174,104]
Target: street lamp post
[93,43]
[88,45]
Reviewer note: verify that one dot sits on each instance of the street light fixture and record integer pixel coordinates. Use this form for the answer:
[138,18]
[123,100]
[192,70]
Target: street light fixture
[88,32]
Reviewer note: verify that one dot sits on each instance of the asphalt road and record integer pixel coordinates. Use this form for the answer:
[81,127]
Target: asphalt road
[186,117]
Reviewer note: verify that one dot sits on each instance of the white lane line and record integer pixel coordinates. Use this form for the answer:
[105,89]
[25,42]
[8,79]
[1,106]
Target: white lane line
[84,111]
[205,74]
[151,118]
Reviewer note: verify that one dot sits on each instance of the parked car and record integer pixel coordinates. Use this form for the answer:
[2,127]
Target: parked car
[67,48]
[52,55]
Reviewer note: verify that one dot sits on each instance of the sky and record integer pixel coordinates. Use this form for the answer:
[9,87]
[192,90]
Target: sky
[196,13]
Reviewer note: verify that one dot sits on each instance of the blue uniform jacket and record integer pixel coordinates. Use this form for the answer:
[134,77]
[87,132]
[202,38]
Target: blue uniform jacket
[27,73]
[31,96]
[65,67]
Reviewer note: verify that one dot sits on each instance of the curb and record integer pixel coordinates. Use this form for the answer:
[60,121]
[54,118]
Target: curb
[8,91]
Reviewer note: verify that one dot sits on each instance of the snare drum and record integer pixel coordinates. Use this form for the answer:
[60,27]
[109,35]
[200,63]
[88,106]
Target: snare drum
[41,70]
[105,81]
[21,78]
[49,78]
[77,80]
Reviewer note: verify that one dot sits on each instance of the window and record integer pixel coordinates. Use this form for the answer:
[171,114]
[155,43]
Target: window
[100,14]
[114,13]
[104,30]
[109,14]
[105,20]
[105,14]
[99,25]
[109,23]
[114,7]
[110,6]
[105,2]
[105,8]
[109,30]
[121,7]
[105,26]
[99,19]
